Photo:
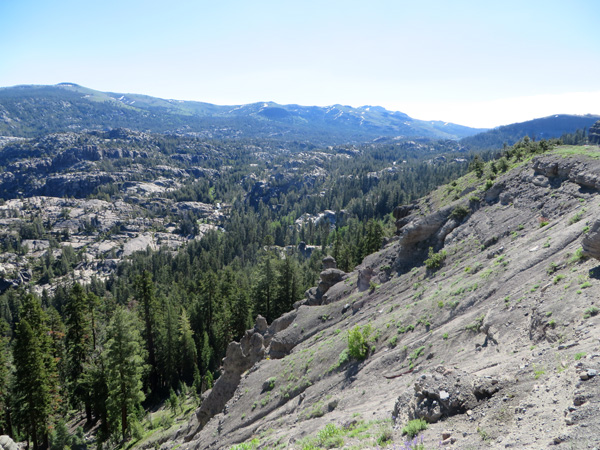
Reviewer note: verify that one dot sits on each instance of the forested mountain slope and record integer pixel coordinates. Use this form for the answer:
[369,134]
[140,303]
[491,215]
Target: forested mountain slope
[481,318]
[543,128]
[36,110]
[170,244]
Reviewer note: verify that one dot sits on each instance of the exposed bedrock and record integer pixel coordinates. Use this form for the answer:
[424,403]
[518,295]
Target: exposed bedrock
[239,358]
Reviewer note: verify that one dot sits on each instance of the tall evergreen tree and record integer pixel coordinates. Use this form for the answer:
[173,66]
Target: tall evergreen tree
[32,384]
[5,427]
[124,370]
[240,313]
[167,345]
[265,289]
[78,343]
[37,382]
[187,349]
[149,308]
[288,286]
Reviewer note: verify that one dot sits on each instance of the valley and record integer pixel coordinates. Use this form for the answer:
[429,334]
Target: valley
[278,276]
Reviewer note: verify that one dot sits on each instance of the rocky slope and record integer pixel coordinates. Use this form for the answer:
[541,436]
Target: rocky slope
[481,317]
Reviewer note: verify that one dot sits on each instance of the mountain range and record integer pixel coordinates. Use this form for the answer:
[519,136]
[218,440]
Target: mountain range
[35,110]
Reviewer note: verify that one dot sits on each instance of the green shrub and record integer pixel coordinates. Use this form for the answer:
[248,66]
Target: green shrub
[475,326]
[578,256]
[269,384]
[435,260]
[414,427]
[330,437]
[590,312]
[579,355]
[552,268]
[358,341]
[415,355]
[385,436]
[459,213]
[576,218]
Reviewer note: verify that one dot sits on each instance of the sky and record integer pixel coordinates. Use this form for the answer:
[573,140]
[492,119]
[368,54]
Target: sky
[476,63]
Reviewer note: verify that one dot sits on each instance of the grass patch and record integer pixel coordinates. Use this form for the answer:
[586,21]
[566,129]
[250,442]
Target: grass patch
[476,325]
[571,150]
[253,444]
[590,312]
[414,427]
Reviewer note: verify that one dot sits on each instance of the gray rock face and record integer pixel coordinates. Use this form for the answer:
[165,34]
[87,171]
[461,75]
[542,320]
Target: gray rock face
[364,278]
[329,263]
[239,358]
[6,443]
[583,173]
[401,214]
[261,325]
[423,228]
[330,277]
[591,242]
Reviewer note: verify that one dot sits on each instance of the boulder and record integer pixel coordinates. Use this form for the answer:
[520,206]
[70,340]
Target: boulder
[401,214]
[261,325]
[423,228]
[6,443]
[444,394]
[329,263]
[364,278]
[330,277]
[591,242]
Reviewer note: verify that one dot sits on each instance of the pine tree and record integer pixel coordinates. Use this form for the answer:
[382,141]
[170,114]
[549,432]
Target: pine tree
[240,313]
[32,383]
[167,345]
[124,369]
[78,343]
[4,379]
[37,392]
[206,354]
[264,291]
[288,286]
[187,349]
[145,295]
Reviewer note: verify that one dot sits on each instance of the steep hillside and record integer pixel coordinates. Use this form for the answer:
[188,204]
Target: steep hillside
[544,128]
[35,110]
[481,317]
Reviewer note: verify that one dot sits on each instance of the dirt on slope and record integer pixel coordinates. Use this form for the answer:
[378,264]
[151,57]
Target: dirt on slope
[496,344]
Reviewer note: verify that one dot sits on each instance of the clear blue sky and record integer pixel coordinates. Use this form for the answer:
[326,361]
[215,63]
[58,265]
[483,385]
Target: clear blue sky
[478,63]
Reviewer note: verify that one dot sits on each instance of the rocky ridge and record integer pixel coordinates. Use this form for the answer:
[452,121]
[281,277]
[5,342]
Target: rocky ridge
[482,319]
